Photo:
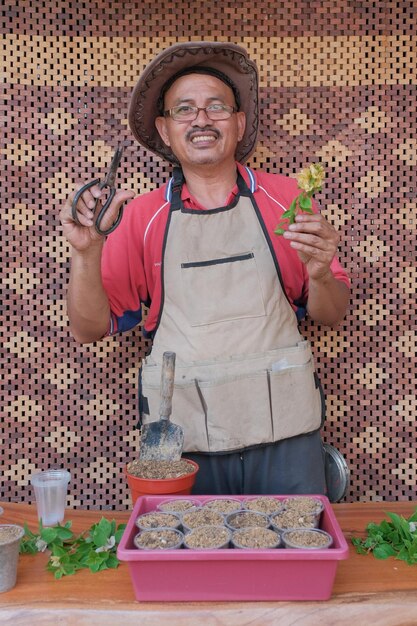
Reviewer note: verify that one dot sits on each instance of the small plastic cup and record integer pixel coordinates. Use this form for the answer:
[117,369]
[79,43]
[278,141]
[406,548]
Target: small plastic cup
[201,517]
[263,504]
[306,539]
[223,505]
[288,520]
[158,519]
[245,518]
[208,538]
[51,493]
[255,538]
[178,505]
[305,505]
[159,539]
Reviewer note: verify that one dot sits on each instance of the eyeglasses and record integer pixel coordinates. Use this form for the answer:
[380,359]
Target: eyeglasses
[188,113]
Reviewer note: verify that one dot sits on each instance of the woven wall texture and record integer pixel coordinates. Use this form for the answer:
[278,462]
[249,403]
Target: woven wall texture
[338,84]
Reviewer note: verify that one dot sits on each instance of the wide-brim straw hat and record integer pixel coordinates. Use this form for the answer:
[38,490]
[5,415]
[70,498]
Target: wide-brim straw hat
[228,58]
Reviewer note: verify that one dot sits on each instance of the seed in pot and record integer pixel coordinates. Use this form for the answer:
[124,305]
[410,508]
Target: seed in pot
[155,470]
[263,504]
[157,520]
[207,537]
[256,537]
[157,539]
[292,519]
[304,505]
[202,517]
[223,505]
[9,533]
[307,539]
[241,519]
[177,505]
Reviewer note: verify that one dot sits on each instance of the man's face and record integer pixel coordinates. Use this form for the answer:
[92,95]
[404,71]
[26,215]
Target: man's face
[202,141]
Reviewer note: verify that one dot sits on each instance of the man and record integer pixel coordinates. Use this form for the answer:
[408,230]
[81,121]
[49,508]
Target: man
[223,290]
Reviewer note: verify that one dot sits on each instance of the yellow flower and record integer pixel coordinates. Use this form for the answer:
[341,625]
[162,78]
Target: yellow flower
[311,178]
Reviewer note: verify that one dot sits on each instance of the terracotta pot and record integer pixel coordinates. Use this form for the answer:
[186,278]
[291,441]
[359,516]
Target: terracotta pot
[161,486]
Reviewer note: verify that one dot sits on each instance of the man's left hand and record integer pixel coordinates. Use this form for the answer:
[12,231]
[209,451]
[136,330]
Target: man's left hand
[316,241]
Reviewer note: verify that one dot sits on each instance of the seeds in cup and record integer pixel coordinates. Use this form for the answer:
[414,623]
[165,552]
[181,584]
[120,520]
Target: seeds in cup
[263,504]
[159,539]
[312,538]
[255,538]
[202,517]
[207,537]
[242,519]
[304,505]
[178,506]
[223,505]
[293,519]
[157,519]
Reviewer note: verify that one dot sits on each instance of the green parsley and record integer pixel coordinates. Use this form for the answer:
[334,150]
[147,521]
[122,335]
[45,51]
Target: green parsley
[94,549]
[397,538]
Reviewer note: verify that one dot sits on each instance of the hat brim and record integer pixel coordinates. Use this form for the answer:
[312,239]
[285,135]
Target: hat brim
[228,58]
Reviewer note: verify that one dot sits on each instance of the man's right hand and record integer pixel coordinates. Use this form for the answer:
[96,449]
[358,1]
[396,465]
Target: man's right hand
[84,235]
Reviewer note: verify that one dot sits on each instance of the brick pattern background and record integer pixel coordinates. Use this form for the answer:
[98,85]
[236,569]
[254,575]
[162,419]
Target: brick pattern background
[338,84]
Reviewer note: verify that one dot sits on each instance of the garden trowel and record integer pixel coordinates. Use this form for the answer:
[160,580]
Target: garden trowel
[162,440]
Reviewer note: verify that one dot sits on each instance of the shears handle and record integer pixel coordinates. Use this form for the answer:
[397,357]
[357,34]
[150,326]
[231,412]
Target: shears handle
[103,209]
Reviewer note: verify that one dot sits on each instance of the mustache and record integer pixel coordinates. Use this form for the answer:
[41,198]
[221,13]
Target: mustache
[197,131]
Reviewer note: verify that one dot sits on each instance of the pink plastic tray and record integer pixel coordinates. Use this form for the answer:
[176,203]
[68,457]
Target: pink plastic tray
[279,574]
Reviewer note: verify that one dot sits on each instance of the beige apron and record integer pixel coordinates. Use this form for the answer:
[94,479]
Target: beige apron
[244,375]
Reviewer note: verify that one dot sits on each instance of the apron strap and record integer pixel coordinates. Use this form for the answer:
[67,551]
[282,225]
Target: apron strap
[242,186]
[178,181]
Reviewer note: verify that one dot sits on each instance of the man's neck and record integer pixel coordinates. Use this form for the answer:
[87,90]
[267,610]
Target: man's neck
[211,187]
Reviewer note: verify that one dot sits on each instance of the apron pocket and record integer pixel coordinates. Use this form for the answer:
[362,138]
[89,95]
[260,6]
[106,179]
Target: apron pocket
[238,411]
[233,282]
[295,400]
[187,412]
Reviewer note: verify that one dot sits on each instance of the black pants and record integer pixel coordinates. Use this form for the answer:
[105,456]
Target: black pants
[290,466]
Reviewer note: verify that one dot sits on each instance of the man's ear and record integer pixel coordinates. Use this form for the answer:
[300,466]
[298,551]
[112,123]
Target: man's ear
[161,127]
[241,124]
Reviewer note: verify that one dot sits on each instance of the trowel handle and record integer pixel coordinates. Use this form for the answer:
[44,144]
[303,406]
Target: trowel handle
[167,384]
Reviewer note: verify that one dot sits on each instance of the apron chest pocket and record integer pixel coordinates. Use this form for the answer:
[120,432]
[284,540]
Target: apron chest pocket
[222,289]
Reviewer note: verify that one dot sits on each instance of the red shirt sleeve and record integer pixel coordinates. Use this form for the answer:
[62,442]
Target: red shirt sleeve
[131,262]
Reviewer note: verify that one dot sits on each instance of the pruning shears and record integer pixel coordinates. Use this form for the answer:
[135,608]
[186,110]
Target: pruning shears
[107,183]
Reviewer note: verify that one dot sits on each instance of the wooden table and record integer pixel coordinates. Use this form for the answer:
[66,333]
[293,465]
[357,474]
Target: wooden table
[366,591]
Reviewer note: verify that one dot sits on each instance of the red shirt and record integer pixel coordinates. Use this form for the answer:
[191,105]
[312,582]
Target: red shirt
[132,254]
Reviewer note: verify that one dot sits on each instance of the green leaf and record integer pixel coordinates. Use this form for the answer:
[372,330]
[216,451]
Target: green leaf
[112,561]
[59,551]
[305,202]
[119,532]
[384,551]
[49,534]
[64,533]
[279,231]
[101,532]
[28,544]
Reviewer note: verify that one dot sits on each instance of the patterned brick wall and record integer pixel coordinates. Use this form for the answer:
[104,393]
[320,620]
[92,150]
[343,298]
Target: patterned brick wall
[338,83]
